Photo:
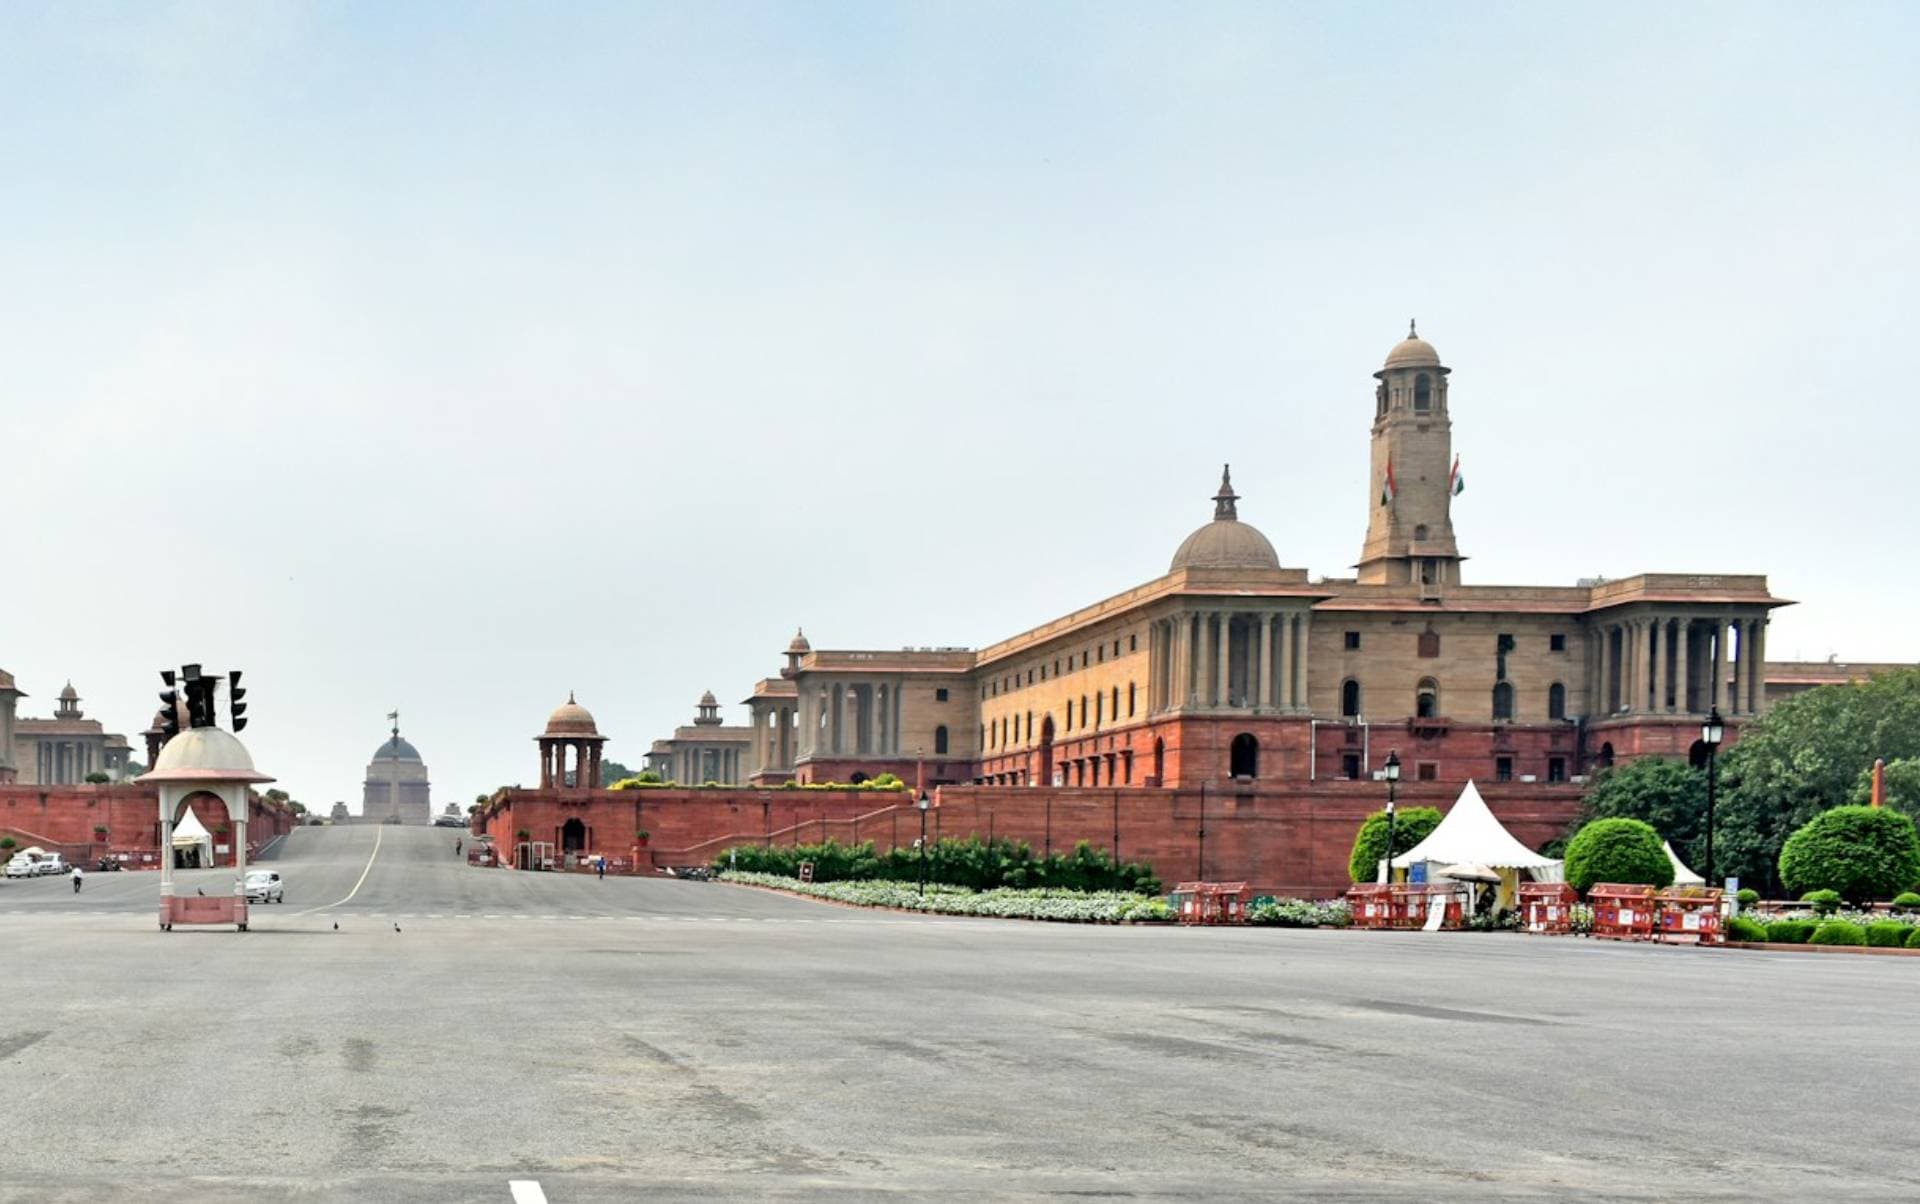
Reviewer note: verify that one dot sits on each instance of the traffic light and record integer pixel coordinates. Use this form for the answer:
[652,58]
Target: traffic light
[236,709]
[199,696]
[169,708]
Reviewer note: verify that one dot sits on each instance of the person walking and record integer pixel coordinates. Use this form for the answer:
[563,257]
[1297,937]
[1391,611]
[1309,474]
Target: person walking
[456,848]
[600,864]
[77,876]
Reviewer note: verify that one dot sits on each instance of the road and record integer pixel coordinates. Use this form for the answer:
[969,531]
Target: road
[618,1039]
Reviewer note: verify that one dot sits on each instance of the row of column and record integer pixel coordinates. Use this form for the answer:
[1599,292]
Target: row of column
[773,738]
[1666,664]
[63,762]
[695,765]
[851,718]
[555,764]
[1253,660]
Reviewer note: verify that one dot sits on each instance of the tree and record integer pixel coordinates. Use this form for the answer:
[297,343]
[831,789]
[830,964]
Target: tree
[1668,796]
[1865,853]
[611,772]
[1617,850]
[1413,825]
[96,778]
[297,807]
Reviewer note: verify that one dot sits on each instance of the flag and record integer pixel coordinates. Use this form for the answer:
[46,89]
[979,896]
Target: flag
[1456,484]
[1386,488]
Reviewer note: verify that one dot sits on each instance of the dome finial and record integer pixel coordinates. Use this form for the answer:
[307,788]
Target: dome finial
[570,697]
[1411,332]
[1223,502]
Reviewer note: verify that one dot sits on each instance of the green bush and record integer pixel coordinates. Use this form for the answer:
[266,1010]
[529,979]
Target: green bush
[1826,902]
[1410,826]
[1740,928]
[972,863]
[1092,907]
[1838,932]
[1913,938]
[1747,896]
[1887,934]
[1617,850]
[1299,913]
[1864,853]
[1907,899]
[1790,932]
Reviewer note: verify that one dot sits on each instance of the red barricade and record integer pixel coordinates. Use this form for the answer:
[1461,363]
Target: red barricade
[1211,902]
[1622,911]
[1547,906]
[1413,901]
[1371,904]
[1690,915]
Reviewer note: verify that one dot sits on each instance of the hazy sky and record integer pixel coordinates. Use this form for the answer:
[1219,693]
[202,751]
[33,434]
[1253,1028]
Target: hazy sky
[453,357]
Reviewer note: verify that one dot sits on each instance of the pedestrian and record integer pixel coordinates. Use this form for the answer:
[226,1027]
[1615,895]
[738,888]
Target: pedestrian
[77,876]
[456,848]
[599,864]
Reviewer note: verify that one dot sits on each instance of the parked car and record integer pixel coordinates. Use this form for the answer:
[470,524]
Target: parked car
[265,886]
[23,866]
[53,863]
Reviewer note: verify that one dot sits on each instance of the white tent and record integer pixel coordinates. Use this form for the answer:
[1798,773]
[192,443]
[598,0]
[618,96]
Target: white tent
[1471,835]
[190,833]
[1682,876]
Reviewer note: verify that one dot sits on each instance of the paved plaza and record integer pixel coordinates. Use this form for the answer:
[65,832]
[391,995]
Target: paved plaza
[617,1039]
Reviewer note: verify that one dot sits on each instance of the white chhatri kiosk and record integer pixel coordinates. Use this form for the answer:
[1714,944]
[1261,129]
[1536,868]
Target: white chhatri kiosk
[204,760]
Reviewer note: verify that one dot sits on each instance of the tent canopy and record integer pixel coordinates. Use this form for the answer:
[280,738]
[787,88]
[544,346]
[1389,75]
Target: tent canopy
[1682,876]
[1470,833]
[190,831]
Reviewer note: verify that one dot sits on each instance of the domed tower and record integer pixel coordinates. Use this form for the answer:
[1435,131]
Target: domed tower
[1226,542]
[1410,487]
[708,713]
[796,649]
[396,788]
[570,728]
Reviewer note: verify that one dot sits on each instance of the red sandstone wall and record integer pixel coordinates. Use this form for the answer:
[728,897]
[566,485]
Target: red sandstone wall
[64,817]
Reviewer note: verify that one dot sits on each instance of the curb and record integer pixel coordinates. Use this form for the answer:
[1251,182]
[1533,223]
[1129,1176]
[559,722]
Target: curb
[1779,947]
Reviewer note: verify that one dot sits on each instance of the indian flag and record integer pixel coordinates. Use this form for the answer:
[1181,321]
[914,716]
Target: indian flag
[1456,484]
[1386,487]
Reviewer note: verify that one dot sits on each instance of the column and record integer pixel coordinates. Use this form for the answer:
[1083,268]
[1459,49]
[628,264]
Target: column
[1263,694]
[1222,654]
[1303,663]
[1287,702]
[1203,675]
[1684,663]
[1658,648]
[1719,662]
[1758,702]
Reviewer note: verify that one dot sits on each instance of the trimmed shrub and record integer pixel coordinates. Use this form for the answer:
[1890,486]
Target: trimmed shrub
[1740,928]
[1411,825]
[1826,902]
[1617,850]
[1299,913]
[1864,853]
[1908,900]
[1838,932]
[972,863]
[1790,932]
[1091,907]
[1913,938]
[1888,934]
[1747,896]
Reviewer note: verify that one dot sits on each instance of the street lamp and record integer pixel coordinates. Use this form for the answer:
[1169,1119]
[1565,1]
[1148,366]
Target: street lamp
[922,804]
[1711,733]
[1391,772]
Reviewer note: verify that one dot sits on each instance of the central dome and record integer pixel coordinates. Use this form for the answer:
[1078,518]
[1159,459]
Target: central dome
[1226,542]
[1412,352]
[396,749]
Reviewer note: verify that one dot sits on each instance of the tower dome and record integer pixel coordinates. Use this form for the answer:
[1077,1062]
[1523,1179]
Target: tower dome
[1226,542]
[1412,352]
[571,719]
[394,748]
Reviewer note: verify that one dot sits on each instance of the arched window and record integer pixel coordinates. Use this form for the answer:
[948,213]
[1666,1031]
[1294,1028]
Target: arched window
[1029,727]
[1113,712]
[1426,699]
[1099,708]
[1159,762]
[1606,755]
[1083,710]
[940,740]
[1244,757]
[1503,700]
[1556,701]
[1422,393]
[1420,532]
[1129,700]
[1380,402]
[1350,699]
[1069,723]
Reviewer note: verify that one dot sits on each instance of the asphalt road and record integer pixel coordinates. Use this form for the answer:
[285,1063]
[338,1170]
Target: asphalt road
[620,1039]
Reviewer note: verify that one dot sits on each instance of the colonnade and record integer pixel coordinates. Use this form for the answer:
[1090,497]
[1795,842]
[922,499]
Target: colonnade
[697,763]
[1678,664]
[773,737]
[851,719]
[1228,658]
[64,762]
[555,764]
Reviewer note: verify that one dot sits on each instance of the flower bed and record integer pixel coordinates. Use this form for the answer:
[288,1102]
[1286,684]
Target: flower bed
[1084,907]
[1300,913]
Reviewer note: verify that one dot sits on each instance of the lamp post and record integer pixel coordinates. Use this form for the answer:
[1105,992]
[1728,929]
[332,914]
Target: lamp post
[922,804]
[1711,733]
[1391,771]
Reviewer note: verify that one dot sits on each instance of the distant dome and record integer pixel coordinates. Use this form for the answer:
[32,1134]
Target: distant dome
[708,700]
[799,643]
[396,749]
[571,719]
[69,694]
[1226,542]
[1413,352]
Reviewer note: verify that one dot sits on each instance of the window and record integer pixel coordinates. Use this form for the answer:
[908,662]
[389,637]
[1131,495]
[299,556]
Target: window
[1556,701]
[1426,698]
[1350,698]
[1114,710]
[1557,642]
[1243,756]
[1422,393]
[940,695]
[1069,714]
[1503,769]
[1353,640]
[1556,769]
[1420,532]
[940,741]
[1350,766]
[1426,771]
[1029,676]
[1099,708]
[1503,700]
[1429,644]
[1133,645]
[1029,726]
[1103,654]
[1501,647]
[1129,700]
[1083,710]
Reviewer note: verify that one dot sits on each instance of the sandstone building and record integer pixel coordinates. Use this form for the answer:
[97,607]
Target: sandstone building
[396,788]
[60,751]
[707,750]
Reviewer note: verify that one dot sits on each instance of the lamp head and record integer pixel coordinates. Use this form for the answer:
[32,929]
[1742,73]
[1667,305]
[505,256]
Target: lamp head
[1392,767]
[1713,730]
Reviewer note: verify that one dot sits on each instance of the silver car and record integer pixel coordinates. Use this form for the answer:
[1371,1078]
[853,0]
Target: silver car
[265,886]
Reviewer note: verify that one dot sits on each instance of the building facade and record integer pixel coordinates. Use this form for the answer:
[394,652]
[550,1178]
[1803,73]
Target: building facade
[1232,666]
[397,789]
[61,751]
[707,750]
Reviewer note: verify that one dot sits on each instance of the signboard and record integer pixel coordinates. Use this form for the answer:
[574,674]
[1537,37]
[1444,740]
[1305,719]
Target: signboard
[806,871]
[1417,872]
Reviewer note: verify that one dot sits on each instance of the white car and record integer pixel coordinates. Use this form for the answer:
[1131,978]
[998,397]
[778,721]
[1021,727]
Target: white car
[53,863]
[264,886]
[22,866]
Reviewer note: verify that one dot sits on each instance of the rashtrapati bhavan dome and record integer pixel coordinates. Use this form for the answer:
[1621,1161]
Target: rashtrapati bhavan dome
[1232,665]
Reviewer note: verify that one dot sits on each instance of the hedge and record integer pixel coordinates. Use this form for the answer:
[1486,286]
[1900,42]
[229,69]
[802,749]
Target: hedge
[1740,928]
[1865,853]
[1298,913]
[1838,932]
[1790,932]
[1617,850]
[1747,896]
[1410,827]
[1826,902]
[1888,934]
[1907,899]
[1913,938]
[972,863]
[1088,907]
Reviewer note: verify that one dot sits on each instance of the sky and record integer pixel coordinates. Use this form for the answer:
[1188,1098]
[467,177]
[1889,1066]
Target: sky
[453,358]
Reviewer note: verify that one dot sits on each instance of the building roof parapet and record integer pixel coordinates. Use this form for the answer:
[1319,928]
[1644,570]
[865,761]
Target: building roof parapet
[772,687]
[1742,588]
[905,660]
